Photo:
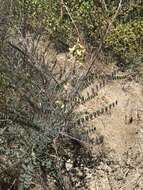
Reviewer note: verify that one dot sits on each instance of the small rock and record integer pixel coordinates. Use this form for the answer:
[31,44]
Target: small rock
[69,165]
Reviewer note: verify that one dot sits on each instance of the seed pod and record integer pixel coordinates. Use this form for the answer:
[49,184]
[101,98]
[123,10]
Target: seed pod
[79,101]
[93,129]
[88,96]
[97,87]
[98,112]
[102,110]
[82,99]
[78,122]
[106,109]
[93,91]
[82,120]
[103,82]
[110,106]
[112,74]
[91,116]
[90,79]
[94,114]
[116,77]
[87,118]
[100,85]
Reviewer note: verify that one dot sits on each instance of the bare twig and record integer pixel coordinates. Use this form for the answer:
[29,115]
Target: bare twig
[14,181]
[104,4]
[94,56]
[73,22]
[62,6]
[73,138]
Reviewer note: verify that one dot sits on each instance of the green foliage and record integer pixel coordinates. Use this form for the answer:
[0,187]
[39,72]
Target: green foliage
[37,111]
[88,16]
[126,41]
[25,178]
[87,21]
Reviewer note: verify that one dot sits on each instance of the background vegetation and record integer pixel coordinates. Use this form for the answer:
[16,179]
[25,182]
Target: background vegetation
[37,110]
[115,24]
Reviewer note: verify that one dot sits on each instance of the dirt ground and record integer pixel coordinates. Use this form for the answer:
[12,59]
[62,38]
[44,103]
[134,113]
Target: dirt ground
[122,129]
[121,167]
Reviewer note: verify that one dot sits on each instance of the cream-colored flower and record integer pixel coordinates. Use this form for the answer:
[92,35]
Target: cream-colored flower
[60,104]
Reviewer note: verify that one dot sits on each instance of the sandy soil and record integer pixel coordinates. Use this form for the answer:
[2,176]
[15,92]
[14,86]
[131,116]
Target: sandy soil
[122,129]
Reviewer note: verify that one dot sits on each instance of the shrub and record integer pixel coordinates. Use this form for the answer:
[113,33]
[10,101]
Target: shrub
[126,42]
[39,127]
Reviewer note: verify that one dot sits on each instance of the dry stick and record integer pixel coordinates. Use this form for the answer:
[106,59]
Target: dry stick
[76,28]
[106,33]
[33,62]
[12,184]
[137,181]
[71,137]
[41,74]
[33,105]
[105,6]
[100,46]
[62,6]
[93,58]
[109,180]
[24,20]
[95,114]
[44,78]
